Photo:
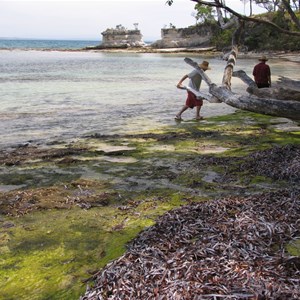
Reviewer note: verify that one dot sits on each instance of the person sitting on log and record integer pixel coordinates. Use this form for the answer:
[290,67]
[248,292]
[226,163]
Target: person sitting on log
[262,73]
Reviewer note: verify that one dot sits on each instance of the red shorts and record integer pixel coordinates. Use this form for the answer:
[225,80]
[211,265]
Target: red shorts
[192,101]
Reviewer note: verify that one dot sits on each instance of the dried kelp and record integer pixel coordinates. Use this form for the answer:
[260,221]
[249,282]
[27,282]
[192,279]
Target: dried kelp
[279,163]
[230,248]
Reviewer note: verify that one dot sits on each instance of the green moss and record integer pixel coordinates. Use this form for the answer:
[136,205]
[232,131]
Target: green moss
[260,179]
[39,176]
[43,261]
[293,248]
[47,254]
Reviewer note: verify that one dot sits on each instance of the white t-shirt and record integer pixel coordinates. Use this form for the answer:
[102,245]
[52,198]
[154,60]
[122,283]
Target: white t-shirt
[195,80]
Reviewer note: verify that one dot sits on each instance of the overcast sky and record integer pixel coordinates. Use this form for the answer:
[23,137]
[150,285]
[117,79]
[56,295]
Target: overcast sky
[68,19]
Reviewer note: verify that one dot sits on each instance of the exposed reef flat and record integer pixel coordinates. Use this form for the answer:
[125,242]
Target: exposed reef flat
[69,208]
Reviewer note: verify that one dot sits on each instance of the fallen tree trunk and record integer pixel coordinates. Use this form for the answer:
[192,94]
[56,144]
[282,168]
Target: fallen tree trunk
[270,106]
[293,84]
[264,104]
[286,89]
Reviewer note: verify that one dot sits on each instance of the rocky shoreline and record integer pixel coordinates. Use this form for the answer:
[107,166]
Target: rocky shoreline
[206,51]
[293,56]
[79,204]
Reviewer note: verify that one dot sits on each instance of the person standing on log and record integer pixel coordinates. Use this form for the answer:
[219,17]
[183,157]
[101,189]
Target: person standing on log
[192,100]
[262,73]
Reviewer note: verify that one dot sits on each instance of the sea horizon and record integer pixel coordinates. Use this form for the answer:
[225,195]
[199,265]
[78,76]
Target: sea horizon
[48,44]
[53,39]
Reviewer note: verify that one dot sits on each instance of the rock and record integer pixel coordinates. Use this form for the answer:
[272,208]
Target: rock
[194,36]
[121,37]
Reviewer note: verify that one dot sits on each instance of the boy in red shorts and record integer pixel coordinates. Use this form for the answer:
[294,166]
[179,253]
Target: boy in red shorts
[194,82]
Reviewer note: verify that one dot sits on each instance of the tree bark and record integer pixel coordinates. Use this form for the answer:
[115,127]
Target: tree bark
[270,106]
[285,89]
[291,13]
[264,100]
[217,4]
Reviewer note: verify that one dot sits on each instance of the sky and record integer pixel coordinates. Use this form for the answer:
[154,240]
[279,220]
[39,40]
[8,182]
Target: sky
[86,19]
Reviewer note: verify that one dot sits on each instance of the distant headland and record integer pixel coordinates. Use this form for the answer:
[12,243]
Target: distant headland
[121,38]
[193,39]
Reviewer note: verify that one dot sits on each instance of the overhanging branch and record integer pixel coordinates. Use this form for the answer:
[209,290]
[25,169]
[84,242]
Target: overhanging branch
[217,4]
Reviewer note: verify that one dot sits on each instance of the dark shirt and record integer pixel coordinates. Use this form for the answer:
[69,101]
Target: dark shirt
[262,73]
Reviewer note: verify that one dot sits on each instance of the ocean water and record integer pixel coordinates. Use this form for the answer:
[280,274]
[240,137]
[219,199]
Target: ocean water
[50,96]
[45,44]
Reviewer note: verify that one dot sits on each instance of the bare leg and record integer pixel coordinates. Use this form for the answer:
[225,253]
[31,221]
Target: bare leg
[198,117]
[184,108]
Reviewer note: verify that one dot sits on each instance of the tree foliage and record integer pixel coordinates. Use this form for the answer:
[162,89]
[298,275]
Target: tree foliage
[260,37]
[272,106]
[204,14]
[284,6]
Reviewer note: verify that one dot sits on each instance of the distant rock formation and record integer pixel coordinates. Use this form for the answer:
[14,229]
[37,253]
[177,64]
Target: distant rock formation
[194,36]
[120,37]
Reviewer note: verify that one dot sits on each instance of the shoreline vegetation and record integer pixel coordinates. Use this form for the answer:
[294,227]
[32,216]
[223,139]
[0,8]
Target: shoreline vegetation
[214,200]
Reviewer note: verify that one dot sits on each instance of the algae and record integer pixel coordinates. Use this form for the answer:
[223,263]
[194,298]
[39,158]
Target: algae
[76,205]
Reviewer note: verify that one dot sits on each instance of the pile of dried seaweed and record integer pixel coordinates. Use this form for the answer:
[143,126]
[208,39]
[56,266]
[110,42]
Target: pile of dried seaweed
[230,248]
[279,163]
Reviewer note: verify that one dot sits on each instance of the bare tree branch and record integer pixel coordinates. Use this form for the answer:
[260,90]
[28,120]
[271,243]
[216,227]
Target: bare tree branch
[233,21]
[291,13]
[274,107]
[218,4]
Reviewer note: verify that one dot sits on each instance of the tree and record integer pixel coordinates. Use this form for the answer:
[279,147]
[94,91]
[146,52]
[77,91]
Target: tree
[260,100]
[264,103]
[269,5]
[219,4]
[289,9]
[251,9]
[204,14]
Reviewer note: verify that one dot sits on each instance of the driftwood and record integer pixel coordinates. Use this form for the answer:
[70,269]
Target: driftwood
[281,101]
[284,89]
[293,84]
[264,103]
